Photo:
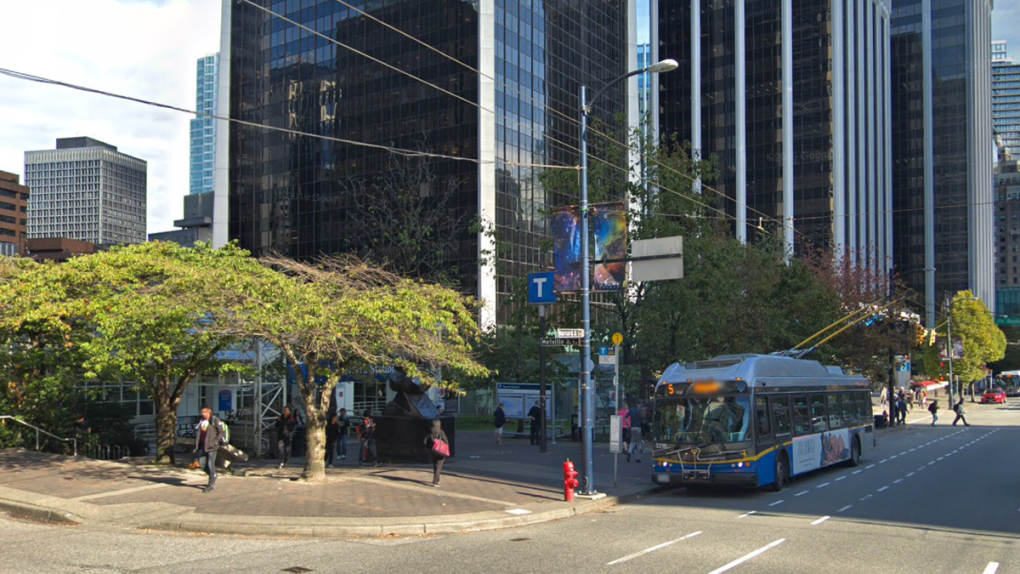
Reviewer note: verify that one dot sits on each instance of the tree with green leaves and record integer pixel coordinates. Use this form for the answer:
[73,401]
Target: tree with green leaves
[332,315]
[153,313]
[983,341]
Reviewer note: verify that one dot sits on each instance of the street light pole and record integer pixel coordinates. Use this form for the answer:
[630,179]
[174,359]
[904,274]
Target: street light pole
[587,388]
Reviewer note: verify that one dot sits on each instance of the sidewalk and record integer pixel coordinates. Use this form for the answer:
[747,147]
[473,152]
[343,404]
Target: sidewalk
[485,487]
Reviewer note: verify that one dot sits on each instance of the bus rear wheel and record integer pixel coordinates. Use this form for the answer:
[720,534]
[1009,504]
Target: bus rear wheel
[782,473]
[855,453]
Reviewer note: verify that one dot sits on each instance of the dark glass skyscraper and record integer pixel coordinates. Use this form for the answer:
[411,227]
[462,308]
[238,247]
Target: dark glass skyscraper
[943,148]
[791,97]
[291,193]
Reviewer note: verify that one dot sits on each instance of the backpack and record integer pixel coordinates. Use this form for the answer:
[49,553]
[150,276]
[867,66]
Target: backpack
[931,408]
[226,430]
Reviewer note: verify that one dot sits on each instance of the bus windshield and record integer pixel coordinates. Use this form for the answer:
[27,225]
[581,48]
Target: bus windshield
[702,420]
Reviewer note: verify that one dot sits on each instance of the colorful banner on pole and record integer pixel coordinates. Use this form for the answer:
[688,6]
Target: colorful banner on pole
[566,230]
[609,221]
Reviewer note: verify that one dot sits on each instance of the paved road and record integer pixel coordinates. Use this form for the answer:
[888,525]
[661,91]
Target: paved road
[929,500]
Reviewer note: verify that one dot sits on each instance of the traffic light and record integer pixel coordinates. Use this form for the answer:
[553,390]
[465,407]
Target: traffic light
[918,335]
[931,337]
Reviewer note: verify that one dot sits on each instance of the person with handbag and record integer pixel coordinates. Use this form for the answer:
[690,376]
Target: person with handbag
[210,437]
[439,449]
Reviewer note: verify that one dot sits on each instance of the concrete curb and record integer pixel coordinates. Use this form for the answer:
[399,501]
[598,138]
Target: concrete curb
[334,528]
[191,522]
[36,512]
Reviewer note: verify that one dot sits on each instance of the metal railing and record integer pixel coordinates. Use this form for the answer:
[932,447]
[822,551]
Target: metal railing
[39,432]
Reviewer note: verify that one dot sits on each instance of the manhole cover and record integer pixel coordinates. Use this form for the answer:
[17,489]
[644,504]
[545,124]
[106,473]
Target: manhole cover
[519,539]
[297,569]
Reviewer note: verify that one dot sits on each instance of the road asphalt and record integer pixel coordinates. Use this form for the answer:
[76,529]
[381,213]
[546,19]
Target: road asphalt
[927,500]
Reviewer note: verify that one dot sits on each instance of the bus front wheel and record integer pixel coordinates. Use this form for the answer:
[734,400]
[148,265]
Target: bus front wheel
[782,473]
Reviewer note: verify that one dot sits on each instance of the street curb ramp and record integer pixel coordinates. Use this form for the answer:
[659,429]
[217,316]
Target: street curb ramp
[35,512]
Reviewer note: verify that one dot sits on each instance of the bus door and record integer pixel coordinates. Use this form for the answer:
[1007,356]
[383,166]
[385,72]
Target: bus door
[764,436]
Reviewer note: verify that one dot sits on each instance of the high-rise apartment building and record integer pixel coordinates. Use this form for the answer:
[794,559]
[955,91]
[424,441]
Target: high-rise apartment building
[502,105]
[792,99]
[1005,97]
[203,128]
[13,214]
[943,148]
[88,191]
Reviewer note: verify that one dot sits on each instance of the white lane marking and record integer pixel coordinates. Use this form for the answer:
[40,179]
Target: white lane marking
[865,498]
[840,478]
[746,514]
[991,568]
[652,549]
[802,493]
[883,461]
[869,467]
[823,485]
[940,458]
[909,474]
[912,450]
[857,472]
[883,489]
[518,511]
[902,453]
[893,457]
[845,508]
[820,520]
[897,481]
[747,557]
[777,503]
[931,463]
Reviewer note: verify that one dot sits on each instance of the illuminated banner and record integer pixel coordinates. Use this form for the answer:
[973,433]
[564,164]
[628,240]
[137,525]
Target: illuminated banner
[566,230]
[609,221]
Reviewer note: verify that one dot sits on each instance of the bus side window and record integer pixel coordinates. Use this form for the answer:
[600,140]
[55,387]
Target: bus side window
[835,411]
[761,414]
[801,415]
[818,422]
[863,406]
[849,409]
[781,415]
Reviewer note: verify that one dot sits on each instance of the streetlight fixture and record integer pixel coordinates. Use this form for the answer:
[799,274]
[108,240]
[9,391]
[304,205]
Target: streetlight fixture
[587,391]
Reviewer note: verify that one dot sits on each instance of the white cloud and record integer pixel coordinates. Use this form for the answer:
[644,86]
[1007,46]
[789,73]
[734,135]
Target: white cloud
[139,48]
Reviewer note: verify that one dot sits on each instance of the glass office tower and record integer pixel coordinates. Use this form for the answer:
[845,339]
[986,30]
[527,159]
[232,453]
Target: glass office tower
[791,98]
[943,148]
[291,193]
[203,129]
[1005,97]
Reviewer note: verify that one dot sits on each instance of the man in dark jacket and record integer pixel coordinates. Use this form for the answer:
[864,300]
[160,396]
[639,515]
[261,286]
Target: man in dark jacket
[286,426]
[332,437]
[210,436]
[500,420]
[535,414]
[637,443]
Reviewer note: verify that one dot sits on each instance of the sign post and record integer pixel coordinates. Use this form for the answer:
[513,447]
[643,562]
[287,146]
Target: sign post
[615,421]
[540,292]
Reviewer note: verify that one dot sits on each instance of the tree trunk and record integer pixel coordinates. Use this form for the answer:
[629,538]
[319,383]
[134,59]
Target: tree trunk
[315,440]
[166,424]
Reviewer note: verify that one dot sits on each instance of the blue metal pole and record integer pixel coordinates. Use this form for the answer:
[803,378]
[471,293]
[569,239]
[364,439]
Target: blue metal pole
[587,394]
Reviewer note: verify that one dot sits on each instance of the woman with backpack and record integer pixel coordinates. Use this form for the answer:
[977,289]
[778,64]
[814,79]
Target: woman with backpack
[439,448]
[933,408]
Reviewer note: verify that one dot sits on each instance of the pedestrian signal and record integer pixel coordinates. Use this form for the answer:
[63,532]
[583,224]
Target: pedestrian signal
[931,337]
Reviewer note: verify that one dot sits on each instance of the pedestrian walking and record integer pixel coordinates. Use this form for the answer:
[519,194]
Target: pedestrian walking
[637,446]
[345,427]
[535,414]
[366,436]
[332,437]
[439,448]
[624,415]
[286,426]
[900,411]
[933,408]
[961,413]
[499,419]
[210,437]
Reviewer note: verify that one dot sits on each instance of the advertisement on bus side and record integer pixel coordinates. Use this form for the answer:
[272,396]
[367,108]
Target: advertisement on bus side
[818,450]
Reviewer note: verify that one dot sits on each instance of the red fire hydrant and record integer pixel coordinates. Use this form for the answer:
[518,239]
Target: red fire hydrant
[569,481]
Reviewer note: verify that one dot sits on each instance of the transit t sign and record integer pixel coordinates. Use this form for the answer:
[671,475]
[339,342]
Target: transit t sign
[540,288]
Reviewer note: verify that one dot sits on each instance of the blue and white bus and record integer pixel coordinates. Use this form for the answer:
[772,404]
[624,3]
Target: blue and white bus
[757,421]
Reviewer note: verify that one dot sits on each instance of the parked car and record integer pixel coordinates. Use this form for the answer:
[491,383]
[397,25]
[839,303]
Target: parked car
[993,396]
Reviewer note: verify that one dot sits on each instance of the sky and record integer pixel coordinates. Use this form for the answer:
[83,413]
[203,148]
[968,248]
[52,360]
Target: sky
[147,49]
[142,48]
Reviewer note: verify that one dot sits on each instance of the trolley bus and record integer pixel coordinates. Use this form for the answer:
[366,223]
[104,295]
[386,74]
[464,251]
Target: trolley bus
[757,421]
